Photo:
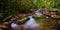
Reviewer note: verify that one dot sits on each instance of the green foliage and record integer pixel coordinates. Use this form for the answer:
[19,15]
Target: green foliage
[48,3]
[9,7]
[51,3]
[39,4]
[13,7]
[58,6]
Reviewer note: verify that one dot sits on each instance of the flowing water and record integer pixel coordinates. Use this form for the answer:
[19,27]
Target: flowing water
[31,23]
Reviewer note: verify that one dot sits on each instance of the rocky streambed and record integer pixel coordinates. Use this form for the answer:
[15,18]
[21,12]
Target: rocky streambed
[36,20]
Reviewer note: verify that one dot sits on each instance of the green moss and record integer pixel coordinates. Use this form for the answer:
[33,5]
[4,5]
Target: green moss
[44,21]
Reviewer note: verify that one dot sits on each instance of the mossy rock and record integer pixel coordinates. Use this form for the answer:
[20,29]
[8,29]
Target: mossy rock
[37,16]
[22,20]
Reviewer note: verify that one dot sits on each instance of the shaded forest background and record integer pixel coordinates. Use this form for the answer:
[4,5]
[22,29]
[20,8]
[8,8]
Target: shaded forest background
[14,7]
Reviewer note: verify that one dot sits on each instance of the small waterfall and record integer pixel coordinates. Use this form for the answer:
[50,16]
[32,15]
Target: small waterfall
[31,23]
[38,12]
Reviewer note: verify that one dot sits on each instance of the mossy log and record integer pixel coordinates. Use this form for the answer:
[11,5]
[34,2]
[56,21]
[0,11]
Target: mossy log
[22,20]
